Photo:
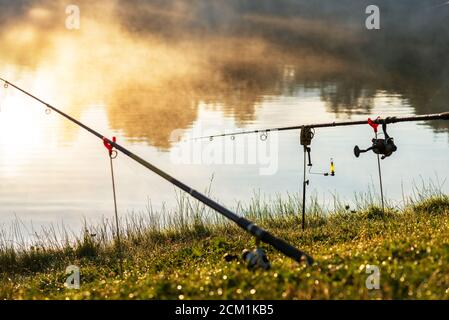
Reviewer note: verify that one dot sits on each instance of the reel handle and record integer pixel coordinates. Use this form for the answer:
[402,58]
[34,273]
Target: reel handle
[358,151]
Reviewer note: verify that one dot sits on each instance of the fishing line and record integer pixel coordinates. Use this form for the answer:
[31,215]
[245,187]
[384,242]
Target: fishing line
[243,223]
[326,174]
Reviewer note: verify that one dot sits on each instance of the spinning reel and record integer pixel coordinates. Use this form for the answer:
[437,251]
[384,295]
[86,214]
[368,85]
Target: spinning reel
[384,147]
[253,259]
[256,259]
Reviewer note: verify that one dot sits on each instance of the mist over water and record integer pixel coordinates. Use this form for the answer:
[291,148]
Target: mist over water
[141,69]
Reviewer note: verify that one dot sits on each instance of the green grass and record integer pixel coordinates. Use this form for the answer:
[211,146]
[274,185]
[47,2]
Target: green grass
[182,257]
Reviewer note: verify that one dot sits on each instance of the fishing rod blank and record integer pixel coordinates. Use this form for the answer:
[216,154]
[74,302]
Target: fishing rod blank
[242,222]
[387,120]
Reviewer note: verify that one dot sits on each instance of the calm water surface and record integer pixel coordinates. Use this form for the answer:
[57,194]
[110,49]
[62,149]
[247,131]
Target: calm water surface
[52,171]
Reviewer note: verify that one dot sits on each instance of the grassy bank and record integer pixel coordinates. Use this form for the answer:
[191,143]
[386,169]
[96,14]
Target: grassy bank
[182,257]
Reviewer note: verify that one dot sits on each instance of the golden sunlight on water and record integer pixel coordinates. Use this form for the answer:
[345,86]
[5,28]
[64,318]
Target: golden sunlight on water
[141,87]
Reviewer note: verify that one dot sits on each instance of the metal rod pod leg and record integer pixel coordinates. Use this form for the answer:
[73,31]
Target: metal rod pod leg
[304,186]
[381,184]
[119,244]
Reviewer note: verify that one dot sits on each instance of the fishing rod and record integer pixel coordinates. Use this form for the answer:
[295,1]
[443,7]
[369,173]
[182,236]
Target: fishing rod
[387,120]
[259,233]
[382,147]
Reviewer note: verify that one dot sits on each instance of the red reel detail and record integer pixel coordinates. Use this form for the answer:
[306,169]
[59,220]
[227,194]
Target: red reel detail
[373,124]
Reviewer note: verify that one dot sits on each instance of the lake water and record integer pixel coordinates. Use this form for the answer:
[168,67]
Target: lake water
[142,90]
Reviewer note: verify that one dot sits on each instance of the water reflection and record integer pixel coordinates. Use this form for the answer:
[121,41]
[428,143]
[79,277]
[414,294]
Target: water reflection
[153,85]
[152,67]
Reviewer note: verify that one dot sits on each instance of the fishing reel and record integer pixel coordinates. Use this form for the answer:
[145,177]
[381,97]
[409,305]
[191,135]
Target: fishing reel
[384,147]
[256,259]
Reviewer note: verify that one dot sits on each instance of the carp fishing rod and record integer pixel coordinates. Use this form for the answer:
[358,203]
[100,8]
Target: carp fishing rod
[388,120]
[382,147]
[259,233]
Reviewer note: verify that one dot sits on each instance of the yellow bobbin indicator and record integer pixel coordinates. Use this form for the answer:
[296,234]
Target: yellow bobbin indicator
[332,168]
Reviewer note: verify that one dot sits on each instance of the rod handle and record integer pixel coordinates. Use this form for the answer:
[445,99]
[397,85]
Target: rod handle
[277,243]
